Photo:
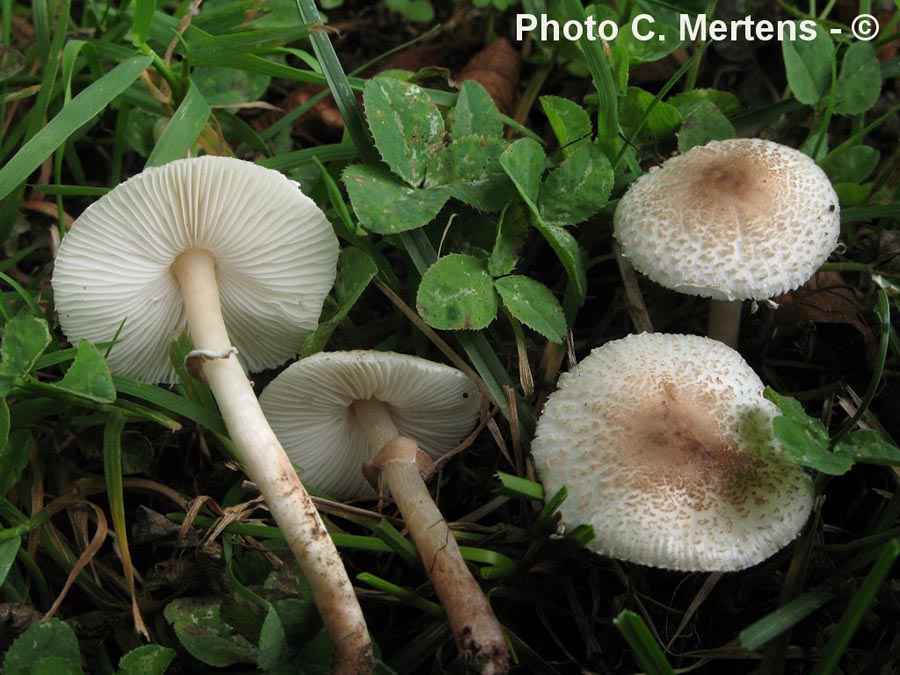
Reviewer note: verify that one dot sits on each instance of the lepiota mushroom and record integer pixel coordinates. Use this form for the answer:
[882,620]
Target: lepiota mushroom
[238,255]
[731,220]
[665,445]
[336,412]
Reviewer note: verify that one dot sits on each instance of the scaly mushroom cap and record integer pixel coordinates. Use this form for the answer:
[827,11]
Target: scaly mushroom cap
[665,445]
[308,406]
[275,252]
[731,220]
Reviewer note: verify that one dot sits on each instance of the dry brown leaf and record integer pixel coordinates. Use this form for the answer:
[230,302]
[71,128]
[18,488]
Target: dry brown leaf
[825,298]
[888,254]
[325,111]
[658,71]
[497,69]
[86,555]
[22,32]
[89,485]
[48,209]
[322,123]
[15,618]
[892,48]
[451,54]
[150,527]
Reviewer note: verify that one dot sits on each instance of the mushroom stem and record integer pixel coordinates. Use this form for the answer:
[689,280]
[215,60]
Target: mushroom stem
[268,466]
[725,321]
[478,635]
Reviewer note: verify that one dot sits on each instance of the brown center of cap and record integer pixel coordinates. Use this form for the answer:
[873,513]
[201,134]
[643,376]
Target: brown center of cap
[736,183]
[675,446]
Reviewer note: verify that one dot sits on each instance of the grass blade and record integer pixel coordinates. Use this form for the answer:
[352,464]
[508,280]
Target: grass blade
[551,505]
[143,19]
[883,312]
[338,84]
[601,73]
[791,613]
[646,651]
[288,161]
[22,293]
[399,544]
[404,594]
[182,130]
[41,21]
[853,615]
[71,52]
[12,197]
[245,42]
[135,410]
[50,57]
[676,77]
[857,214]
[253,63]
[359,542]
[179,405]
[497,564]
[775,654]
[83,107]
[774,624]
[72,190]
[8,550]
[513,486]
[112,470]
[4,428]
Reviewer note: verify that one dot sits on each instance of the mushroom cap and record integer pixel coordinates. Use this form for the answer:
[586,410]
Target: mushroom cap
[731,220]
[276,256]
[308,407]
[666,447]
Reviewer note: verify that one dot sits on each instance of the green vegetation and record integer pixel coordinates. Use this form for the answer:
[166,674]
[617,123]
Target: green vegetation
[475,230]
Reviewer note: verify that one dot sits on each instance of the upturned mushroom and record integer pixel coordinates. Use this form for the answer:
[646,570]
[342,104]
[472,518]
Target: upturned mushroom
[665,445]
[239,256]
[743,219]
[340,412]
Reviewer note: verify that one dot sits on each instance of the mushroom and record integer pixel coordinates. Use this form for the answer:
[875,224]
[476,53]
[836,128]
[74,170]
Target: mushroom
[338,412]
[242,258]
[731,220]
[666,447]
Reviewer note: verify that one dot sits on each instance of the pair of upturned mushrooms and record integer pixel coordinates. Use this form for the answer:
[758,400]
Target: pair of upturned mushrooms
[239,256]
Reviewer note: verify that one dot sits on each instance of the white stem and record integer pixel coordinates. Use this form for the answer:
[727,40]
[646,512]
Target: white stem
[479,637]
[268,466]
[725,321]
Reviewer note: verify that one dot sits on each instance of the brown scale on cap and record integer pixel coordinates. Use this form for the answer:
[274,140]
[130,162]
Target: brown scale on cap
[680,450]
[665,445]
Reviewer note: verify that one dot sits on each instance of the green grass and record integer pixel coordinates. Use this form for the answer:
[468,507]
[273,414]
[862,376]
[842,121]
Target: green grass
[90,462]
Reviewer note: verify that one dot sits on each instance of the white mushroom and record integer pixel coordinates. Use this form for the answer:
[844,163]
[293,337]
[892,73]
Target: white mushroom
[338,412]
[274,253]
[731,220]
[238,255]
[666,447]
[311,408]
